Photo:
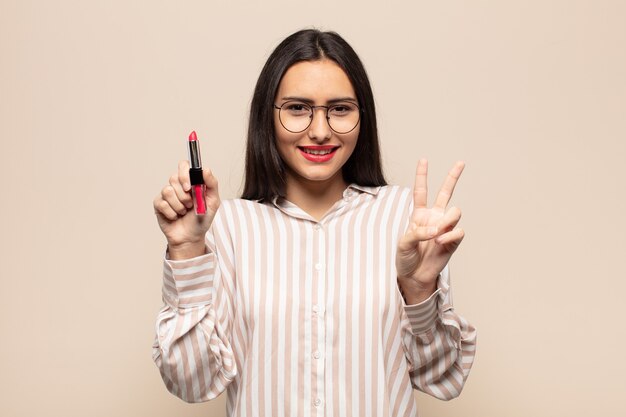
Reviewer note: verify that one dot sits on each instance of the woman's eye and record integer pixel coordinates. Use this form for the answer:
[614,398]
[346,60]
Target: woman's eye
[297,108]
[341,109]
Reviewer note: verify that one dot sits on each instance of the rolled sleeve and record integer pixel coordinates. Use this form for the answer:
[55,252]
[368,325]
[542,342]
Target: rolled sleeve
[423,316]
[189,282]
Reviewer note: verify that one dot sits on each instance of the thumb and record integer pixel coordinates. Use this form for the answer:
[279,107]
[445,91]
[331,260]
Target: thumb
[209,179]
[211,194]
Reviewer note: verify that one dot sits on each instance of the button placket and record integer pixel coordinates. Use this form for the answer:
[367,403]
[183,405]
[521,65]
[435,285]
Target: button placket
[317,361]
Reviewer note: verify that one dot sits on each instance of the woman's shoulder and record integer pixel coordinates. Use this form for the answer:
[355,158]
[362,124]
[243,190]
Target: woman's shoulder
[234,213]
[387,191]
[236,203]
[236,207]
[393,189]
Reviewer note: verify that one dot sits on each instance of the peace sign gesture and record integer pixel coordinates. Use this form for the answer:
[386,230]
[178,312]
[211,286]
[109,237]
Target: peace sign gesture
[431,238]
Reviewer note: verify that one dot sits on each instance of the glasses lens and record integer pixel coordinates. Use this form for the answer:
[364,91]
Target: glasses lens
[295,116]
[343,117]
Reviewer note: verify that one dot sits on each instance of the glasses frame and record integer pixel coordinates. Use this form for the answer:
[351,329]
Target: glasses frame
[279,108]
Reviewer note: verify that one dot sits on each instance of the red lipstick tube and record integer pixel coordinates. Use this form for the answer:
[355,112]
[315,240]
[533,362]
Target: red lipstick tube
[195,174]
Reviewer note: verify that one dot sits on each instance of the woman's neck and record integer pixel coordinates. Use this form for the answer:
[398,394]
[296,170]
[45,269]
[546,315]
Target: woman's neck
[315,197]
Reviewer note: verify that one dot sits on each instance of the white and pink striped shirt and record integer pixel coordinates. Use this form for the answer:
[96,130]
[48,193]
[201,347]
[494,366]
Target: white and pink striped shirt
[297,317]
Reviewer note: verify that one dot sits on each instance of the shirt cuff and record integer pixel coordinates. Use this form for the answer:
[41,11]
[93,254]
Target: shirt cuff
[423,316]
[189,282]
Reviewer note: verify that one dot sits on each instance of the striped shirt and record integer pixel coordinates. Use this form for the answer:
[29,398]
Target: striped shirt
[298,317]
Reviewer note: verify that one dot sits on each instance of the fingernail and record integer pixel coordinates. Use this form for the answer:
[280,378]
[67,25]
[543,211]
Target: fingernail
[187,186]
[432,231]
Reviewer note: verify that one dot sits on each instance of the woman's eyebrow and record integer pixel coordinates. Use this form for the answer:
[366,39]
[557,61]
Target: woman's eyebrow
[309,101]
[336,100]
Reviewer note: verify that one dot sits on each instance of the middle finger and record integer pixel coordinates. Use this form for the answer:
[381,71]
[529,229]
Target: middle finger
[169,195]
[182,195]
[445,193]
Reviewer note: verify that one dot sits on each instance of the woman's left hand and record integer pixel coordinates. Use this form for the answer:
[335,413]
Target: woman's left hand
[431,238]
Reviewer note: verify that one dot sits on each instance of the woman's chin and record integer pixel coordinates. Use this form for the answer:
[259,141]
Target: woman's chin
[317,175]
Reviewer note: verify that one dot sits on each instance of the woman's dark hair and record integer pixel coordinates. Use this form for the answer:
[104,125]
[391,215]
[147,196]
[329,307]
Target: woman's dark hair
[265,175]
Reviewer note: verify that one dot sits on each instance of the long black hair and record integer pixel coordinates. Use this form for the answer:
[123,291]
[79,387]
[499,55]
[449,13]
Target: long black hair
[265,175]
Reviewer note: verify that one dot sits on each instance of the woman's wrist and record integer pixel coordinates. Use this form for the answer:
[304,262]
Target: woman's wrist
[415,293]
[186,250]
[417,297]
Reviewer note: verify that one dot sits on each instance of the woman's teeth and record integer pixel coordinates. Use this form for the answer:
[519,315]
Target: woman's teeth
[318,152]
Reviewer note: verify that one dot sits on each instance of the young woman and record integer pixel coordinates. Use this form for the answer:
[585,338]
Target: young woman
[322,291]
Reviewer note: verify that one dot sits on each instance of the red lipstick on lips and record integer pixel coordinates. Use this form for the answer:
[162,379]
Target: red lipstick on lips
[325,157]
[195,174]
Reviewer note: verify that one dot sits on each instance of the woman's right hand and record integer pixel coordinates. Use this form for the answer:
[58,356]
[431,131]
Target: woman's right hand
[184,230]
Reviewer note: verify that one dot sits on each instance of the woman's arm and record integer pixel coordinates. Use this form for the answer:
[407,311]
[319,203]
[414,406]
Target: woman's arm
[192,347]
[439,344]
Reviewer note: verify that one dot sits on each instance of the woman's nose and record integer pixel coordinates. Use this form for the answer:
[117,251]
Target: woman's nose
[319,130]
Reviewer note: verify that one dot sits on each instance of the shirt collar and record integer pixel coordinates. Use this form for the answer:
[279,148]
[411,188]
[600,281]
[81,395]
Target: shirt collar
[348,192]
[363,188]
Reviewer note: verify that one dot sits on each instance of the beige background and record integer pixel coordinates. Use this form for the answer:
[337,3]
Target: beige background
[96,101]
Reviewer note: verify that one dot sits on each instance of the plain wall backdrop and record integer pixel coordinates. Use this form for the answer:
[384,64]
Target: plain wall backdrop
[97,99]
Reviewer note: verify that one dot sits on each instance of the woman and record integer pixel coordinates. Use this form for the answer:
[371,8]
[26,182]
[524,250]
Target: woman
[322,290]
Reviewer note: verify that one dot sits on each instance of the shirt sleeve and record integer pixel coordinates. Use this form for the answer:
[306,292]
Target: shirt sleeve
[192,347]
[439,344]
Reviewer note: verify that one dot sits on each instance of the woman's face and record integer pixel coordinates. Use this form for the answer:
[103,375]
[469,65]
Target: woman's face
[318,83]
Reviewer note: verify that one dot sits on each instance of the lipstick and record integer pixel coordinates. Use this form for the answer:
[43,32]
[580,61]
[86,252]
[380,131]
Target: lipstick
[323,153]
[195,174]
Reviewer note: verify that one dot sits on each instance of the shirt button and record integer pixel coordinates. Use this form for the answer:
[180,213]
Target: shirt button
[316,354]
[316,308]
[317,227]
[317,402]
[318,266]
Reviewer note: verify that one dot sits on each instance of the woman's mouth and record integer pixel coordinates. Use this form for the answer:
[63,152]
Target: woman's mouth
[318,153]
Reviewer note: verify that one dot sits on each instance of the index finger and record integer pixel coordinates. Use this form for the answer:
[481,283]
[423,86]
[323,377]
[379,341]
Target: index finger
[183,174]
[445,193]
[420,188]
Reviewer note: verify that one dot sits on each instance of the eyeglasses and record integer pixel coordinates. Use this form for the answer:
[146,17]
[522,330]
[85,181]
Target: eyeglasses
[296,116]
